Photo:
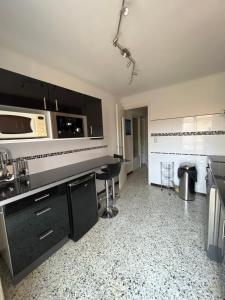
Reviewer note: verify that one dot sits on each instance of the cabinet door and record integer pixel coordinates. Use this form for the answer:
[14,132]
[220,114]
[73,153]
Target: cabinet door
[83,205]
[221,239]
[94,116]
[22,91]
[66,101]
[35,224]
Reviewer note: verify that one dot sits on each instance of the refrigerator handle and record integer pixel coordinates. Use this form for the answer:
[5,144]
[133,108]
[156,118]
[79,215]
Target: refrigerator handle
[78,182]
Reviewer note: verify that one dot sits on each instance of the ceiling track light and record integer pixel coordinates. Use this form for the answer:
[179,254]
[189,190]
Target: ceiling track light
[124,51]
[124,11]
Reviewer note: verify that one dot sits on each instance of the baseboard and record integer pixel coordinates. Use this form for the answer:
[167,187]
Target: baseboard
[163,186]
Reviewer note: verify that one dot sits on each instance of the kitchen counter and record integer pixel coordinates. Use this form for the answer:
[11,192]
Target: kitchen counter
[38,182]
[217,165]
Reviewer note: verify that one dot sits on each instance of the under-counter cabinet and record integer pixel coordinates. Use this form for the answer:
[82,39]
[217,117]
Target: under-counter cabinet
[83,205]
[221,239]
[22,91]
[35,227]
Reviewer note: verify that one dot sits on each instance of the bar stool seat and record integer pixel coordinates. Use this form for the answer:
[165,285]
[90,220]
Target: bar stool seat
[111,171]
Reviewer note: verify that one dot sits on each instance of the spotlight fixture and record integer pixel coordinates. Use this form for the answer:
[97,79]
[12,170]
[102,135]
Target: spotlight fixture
[125,11]
[125,53]
[123,50]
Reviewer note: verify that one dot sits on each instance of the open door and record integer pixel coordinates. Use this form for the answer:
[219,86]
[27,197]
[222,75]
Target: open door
[120,123]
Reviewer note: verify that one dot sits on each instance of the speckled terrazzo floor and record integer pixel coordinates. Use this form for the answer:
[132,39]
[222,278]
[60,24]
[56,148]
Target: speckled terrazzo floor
[154,249]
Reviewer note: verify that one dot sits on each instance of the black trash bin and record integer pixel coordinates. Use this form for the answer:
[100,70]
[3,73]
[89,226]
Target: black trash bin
[187,174]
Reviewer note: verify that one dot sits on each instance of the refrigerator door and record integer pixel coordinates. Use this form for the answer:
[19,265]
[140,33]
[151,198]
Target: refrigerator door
[82,205]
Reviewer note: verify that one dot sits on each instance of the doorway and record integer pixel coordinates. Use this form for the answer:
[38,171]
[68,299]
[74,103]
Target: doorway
[136,138]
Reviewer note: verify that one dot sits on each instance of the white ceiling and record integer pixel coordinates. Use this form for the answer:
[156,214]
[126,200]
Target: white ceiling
[172,41]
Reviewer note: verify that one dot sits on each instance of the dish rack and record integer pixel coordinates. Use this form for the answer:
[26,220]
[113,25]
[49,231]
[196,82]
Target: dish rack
[167,175]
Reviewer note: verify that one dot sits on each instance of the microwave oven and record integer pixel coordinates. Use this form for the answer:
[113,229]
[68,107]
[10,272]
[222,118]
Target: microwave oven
[19,125]
[66,126]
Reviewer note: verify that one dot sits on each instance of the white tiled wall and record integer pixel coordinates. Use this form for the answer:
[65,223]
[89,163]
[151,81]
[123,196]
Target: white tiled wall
[197,123]
[186,146]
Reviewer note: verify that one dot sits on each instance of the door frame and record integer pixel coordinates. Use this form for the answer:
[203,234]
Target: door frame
[148,128]
[120,141]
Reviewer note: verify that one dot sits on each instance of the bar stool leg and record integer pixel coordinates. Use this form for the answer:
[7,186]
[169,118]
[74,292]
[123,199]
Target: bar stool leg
[108,212]
[107,194]
[113,190]
[114,209]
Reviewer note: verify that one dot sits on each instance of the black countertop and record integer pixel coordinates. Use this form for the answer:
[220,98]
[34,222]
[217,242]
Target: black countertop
[217,165]
[34,183]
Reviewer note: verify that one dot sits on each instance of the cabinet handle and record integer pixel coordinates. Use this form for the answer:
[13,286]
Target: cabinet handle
[43,211]
[43,236]
[42,197]
[78,182]
[44,100]
[91,129]
[56,105]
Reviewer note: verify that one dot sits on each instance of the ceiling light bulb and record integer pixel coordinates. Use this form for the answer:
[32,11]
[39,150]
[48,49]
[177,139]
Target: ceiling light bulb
[125,53]
[125,11]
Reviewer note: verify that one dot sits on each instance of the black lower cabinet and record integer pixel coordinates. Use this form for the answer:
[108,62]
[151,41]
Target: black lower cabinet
[35,224]
[83,205]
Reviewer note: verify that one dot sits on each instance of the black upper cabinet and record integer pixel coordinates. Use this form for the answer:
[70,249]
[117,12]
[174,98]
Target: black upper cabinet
[94,116]
[22,91]
[66,101]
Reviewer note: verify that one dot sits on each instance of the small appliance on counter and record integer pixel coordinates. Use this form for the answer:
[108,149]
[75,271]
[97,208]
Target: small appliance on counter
[21,168]
[68,125]
[6,166]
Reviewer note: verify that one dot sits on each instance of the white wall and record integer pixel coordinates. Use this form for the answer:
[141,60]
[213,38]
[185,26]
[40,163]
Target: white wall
[27,66]
[203,96]
[195,97]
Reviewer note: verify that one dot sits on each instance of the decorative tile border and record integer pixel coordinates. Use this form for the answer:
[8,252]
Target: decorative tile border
[178,153]
[59,153]
[188,133]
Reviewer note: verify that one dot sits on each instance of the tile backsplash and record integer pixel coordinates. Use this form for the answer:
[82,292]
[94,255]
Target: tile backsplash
[45,155]
[206,123]
[188,139]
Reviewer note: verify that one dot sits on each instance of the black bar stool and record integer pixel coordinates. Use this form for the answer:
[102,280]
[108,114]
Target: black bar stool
[111,171]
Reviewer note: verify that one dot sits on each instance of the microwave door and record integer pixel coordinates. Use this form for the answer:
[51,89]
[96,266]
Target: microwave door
[12,126]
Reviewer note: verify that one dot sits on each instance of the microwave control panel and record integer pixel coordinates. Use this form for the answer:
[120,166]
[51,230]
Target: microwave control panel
[41,126]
